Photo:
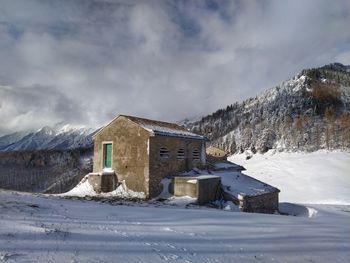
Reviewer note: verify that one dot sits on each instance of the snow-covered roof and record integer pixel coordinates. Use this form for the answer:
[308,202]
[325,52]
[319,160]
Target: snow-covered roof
[228,166]
[164,128]
[239,184]
[198,177]
[159,128]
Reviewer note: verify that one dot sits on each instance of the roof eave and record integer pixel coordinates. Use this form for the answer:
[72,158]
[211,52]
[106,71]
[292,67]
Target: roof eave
[199,138]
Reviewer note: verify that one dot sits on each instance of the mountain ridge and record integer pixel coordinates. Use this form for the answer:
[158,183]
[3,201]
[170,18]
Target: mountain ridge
[305,113]
[58,137]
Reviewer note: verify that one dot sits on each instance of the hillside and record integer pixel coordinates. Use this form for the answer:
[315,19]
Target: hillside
[320,177]
[306,113]
[52,171]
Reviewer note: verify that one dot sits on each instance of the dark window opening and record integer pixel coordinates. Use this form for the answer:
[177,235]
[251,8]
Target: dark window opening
[181,154]
[164,153]
[195,154]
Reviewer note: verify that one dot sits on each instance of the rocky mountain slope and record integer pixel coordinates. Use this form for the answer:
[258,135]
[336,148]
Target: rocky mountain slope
[306,113]
[58,137]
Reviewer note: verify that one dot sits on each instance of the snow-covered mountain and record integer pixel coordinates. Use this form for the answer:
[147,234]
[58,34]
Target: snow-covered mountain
[306,113]
[58,137]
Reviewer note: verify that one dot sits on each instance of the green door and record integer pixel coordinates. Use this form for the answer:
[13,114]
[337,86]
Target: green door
[108,155]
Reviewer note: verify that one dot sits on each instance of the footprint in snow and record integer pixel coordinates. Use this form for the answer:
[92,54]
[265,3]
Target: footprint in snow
[168,229]
[169,257]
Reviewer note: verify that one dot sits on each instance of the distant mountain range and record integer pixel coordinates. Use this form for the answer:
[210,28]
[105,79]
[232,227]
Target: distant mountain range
[58,137]
[306,113]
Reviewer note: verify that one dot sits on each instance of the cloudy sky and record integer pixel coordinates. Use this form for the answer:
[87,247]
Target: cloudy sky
[85,61]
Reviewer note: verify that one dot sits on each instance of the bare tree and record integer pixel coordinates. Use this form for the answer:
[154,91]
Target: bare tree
[345,128]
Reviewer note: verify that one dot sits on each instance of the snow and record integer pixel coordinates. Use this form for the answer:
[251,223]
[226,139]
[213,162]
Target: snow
[181,200]
[68,128]
[320,177]
[84,188]
[165,188]
[38,228]
[160,130]
[297,210]
[81,190]
[230,206]
[226,165]
[240,184]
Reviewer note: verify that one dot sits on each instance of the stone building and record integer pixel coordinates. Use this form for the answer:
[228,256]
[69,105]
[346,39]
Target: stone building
[142,151]
[216,152]
[250,194]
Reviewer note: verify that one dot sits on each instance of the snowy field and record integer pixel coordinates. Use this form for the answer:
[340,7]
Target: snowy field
[49,229]
[318,178]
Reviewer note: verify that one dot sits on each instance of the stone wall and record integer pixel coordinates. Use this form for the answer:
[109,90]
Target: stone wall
[130,159]
[103,182]
[216,152]
[162,167]
[265,203]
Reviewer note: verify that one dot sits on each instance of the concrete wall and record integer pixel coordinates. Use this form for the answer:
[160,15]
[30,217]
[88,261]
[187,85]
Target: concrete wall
[162,167]
[185,186]
[265,203]
[208,190]
[130,159]
[204,189]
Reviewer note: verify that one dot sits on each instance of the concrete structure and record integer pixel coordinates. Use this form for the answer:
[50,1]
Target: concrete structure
[142,151]
[205,188]
[103,182]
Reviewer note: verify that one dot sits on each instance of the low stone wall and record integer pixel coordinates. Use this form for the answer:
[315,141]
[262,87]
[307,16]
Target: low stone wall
[265,203]
[103,182]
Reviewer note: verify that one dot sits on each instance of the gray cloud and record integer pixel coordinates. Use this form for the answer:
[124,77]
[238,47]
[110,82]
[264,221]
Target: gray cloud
[29,107]
[161,59]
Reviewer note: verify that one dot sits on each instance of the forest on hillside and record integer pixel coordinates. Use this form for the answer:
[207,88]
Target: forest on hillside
[306,113]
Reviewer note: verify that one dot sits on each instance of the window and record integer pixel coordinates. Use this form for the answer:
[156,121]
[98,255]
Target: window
[181,154]
[195,154]
[164,153]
